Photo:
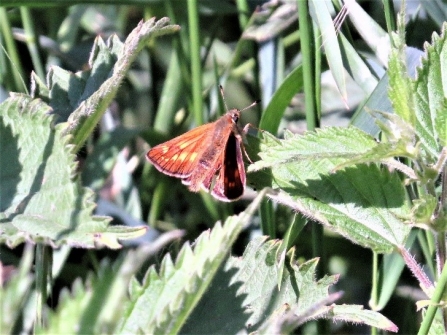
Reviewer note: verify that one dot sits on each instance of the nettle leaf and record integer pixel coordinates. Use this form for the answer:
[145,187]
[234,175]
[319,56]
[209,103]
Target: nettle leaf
[299,289]
[81,98]
[41,201]
[430,96]
[163,302]
[365,203]
[344,143]
[238,303]
[400,91]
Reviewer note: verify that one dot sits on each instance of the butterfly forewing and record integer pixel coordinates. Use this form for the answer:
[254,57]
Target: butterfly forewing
[179,156]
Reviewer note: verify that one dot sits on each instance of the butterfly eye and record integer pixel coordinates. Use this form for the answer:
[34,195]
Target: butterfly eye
[235,117]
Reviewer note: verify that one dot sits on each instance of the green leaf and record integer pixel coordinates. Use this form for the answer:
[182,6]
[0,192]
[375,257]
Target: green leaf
[357,314]
[379,99]
[399,141]
[430,96]
[366,203]
[400,90]
[41,201]
[175,290]
[391,269]
[357,67]
[343,143]
[292,232]
[321,11]
[82,98]
[274,112]
[299,290]
[372,33]
[437,326]
[245,296]
[80,310]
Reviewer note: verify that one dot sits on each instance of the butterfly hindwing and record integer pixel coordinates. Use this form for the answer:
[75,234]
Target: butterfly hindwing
[230,182]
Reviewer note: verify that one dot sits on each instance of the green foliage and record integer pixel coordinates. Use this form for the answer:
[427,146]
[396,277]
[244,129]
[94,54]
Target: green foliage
[367,190]
[82,98]
[302,171]
[176,289]
[16,295]
[45,204]
[429,100]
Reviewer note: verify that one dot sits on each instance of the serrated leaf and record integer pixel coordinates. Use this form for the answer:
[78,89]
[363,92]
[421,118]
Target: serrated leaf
[398,132]
[257,271]
[332,142]
[176,289]
[400,90]
[399,140]
[245,297]
[365,203]
[40,199]
[430,96]
[245,293]
[82,98]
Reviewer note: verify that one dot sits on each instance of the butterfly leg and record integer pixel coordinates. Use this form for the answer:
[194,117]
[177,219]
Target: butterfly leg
[241,141]
[247,127]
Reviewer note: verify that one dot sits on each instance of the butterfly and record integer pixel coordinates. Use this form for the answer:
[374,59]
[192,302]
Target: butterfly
[207,157]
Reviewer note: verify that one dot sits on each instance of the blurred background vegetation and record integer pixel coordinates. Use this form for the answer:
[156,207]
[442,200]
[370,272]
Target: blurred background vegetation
[173,87]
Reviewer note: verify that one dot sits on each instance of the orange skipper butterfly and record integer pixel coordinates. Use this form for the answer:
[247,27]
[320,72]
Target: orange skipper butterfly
[211,151]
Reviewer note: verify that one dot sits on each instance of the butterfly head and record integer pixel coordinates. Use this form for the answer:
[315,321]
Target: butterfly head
[234,114]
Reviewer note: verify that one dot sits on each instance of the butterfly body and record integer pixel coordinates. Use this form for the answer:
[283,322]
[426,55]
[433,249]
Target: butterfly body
[206,153]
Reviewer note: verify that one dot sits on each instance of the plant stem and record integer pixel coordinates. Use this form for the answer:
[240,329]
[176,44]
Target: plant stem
[13,54]
[433,307]
[243,9]
[196,70]
[43,274]
[389,15]
[374,287]
[30,40]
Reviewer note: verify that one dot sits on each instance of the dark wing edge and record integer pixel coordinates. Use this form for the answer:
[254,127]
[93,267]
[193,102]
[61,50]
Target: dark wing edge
[230,183]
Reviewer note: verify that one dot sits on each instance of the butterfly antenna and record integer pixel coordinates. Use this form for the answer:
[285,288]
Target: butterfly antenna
[225,103]
[223,97]
[253,104]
